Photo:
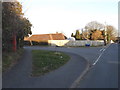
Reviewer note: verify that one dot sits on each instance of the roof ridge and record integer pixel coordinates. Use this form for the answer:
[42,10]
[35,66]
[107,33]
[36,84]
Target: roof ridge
[46,34]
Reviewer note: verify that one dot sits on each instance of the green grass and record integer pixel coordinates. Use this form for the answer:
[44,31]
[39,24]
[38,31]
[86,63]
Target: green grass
[9,59]
[46,61]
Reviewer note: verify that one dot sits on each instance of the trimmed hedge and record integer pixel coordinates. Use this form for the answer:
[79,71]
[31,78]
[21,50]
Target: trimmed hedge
[27,43]
[35,43]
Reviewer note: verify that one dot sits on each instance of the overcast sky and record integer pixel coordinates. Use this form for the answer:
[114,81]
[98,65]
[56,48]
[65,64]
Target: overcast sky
[51,16]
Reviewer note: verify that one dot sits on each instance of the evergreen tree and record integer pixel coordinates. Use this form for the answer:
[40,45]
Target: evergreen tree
[72,35]
[13,24]
[77,35]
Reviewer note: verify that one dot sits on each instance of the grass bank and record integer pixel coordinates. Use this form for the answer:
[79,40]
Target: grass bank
[9,59]
[46,61]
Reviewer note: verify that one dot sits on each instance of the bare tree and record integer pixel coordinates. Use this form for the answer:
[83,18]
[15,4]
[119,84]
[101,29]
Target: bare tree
[94,25]
[111,33]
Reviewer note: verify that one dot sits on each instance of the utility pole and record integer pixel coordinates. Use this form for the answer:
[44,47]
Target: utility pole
[87,33]
[105,37]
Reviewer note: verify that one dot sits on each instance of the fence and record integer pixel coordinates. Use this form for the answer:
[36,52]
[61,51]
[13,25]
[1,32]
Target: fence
[75,43]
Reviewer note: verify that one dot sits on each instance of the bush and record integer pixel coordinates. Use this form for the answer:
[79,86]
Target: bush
[43,43]
[35,43]
[7,46]
[27,43]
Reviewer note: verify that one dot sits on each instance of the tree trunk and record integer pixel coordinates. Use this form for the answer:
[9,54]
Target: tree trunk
[14,43]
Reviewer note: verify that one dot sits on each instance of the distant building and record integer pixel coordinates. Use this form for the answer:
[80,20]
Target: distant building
[45,37]
[71,39]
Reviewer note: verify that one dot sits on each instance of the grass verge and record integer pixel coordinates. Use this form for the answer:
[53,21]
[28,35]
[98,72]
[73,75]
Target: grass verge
[9,59]
[46,61]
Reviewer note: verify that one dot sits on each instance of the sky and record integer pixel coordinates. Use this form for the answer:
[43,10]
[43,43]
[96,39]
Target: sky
[66,16]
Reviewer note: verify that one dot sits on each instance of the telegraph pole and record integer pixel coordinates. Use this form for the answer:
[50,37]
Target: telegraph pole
[105,37]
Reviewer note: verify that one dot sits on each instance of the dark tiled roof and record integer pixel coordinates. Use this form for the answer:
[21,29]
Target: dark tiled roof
[46,37]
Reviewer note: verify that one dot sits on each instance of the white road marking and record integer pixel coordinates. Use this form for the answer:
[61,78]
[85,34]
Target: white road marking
[77,81]
[98,58]
[103,49]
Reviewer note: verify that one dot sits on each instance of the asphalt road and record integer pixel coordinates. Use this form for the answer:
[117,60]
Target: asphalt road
[65,76]
[104,74]
[19,75]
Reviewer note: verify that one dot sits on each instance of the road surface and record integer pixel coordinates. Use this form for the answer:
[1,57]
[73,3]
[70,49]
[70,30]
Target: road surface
[102,74]
[63,77]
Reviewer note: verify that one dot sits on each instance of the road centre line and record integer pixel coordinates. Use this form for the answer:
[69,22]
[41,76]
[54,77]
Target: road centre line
[103,49]
[77,81]
[98,58]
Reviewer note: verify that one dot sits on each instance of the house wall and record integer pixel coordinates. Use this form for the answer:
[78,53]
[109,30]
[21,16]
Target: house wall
[57,42]
[75,43]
